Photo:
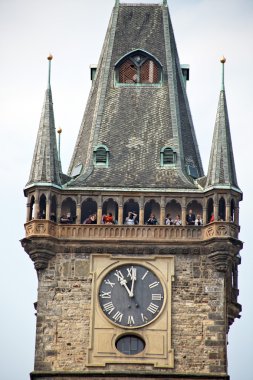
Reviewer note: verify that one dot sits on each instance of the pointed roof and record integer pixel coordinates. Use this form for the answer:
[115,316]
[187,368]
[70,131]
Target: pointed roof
[46,167]
[221,170]
[136,122]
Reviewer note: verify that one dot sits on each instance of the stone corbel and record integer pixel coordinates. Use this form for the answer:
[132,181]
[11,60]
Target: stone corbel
[40,252]
[221,260]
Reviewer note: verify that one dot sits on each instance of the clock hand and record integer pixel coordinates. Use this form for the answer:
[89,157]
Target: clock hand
[133,280]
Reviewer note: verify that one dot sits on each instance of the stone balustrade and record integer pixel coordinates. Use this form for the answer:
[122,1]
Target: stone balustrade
[46,228]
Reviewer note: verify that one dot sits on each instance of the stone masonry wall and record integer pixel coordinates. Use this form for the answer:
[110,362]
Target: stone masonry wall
[198,316]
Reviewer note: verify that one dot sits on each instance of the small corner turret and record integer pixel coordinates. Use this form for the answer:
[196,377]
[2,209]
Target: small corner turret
[46,168]
[221,170]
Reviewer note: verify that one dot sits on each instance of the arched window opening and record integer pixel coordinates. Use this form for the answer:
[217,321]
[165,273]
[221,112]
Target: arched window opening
[151,212]
[68,211]
[232,211]
[110,212]
[53,210]
[42,207]
[210,214]
[222,210]
[89,211]
[173,212]
[101,156]
[194,214]
[31,214]
[138,68]
[168,156]
[131,210]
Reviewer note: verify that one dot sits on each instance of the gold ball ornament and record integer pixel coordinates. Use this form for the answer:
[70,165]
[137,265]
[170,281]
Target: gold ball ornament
[59,130]
[223,59]
[50,57]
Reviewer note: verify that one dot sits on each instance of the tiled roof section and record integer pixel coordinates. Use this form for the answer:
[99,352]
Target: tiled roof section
[45,165]
[135,123]
[221,169]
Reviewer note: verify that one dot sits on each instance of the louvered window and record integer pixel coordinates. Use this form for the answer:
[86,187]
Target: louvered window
[101,156]
[168,157]
[138,68]
[128,72]
[149,72]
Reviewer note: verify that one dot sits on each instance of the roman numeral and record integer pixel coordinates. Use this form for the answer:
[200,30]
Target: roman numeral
[145,274]
[144,318]
[130,320]
[108,307]
[156,297]
[154,284]
[153,308]
[118,316]
[105,294]
[119,275]
[108,282]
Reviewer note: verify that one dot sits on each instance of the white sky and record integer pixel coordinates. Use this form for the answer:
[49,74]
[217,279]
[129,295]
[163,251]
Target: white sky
[73,31]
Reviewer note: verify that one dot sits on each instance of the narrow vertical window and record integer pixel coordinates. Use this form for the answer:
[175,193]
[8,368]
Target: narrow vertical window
[101,156]
[168,156]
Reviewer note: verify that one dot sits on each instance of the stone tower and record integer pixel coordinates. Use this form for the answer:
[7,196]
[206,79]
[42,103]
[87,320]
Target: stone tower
[131,282]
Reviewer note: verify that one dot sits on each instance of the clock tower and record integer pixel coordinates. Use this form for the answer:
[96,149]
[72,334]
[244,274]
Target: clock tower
[136,249]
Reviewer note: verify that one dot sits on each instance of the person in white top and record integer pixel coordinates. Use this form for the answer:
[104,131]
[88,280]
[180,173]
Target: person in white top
[130,219]
[178,221]
[198,220]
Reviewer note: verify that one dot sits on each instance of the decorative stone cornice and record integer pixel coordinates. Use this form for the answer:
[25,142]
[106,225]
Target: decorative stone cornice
[221,260]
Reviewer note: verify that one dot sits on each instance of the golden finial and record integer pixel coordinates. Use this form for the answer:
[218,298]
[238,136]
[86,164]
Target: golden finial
[50,57]
[59,130]
[223,59]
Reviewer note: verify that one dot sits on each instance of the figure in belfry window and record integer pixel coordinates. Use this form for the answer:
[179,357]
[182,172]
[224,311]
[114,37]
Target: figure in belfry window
[138,68]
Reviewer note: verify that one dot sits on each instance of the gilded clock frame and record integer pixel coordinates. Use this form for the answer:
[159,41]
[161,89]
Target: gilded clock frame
[104,333]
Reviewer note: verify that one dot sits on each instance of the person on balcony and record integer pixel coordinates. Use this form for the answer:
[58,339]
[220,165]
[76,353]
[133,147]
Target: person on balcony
[212,218]
[168,220]
[198,220]
[108,219]
[190,218]
[152,220]
[130,219]
[177,221]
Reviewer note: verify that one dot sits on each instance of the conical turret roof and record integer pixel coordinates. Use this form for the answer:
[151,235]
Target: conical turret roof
[46,167]
[221,170]
[136,122]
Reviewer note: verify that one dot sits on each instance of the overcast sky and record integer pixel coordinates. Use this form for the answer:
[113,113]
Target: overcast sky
[73,31]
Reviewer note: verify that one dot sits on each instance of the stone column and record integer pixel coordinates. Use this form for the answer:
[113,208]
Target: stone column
[228,210]
[204,216]
[36,205]
[48,207]
[215,207]
[162,212]
[99,210]
[141,216]
[78,213]
[183,216]
[58,212]
[28,205]
[236,215]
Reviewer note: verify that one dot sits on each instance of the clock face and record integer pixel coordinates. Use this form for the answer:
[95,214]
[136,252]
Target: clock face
[131,295]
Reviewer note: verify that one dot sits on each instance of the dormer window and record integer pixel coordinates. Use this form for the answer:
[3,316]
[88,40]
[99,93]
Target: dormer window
[101,156]
[168,157]
[138,68]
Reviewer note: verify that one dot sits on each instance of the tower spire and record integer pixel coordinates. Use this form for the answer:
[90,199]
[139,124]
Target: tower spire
[46,166]
[221,170]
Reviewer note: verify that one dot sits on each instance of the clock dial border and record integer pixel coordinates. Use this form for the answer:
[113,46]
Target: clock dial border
[114,314]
